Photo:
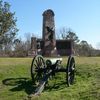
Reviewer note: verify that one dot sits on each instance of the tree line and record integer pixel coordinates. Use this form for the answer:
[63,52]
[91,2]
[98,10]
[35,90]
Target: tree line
[12,46]
[81,47]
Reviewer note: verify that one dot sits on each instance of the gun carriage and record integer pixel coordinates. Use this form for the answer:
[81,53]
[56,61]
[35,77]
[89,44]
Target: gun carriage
[42,69]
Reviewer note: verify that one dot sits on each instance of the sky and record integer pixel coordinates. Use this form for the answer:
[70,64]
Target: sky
[82,16]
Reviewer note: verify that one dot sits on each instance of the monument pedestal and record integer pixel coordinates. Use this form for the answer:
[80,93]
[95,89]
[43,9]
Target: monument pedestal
[32,53]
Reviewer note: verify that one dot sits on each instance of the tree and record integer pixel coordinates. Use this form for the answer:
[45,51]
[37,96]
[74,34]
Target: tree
[67,33]
[85,49]
[19,48]
[72,36]
[22,47]
[8,28]
[61,33]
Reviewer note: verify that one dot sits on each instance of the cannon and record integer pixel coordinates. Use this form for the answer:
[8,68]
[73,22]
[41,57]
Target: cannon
[42,69]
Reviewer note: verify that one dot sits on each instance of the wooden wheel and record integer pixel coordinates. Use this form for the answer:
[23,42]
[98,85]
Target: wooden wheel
[36,73]
[70,70]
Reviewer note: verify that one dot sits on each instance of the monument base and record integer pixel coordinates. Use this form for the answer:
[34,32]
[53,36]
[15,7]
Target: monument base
[50,53]
[32,53]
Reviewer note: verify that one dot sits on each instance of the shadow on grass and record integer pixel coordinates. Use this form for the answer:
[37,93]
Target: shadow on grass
[25,84]
[20,84]
[56,86]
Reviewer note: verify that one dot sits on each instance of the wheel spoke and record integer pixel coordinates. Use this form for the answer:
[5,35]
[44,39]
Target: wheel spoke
[39,60]
[36,62]
[35,65]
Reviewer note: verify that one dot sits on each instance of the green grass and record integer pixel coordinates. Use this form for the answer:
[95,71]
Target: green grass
[16,83]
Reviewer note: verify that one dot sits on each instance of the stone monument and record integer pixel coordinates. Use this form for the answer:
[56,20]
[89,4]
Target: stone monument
[48,34]
[48,45]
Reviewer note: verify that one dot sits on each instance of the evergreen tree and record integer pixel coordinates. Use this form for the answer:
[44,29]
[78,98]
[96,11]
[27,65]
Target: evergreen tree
[8,28]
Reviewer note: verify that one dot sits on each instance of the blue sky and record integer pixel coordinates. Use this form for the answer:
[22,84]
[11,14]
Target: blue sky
[82,16]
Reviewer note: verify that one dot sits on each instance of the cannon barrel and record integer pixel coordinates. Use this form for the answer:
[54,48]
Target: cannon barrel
[53,61]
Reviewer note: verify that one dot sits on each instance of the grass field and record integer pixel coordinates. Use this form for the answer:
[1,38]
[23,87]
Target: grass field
[16,84]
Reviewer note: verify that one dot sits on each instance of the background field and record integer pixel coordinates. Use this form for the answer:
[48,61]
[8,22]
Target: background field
[16,84]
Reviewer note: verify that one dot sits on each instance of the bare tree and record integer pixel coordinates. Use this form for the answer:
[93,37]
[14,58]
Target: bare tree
[61,33]
[67,33]
[22,47]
